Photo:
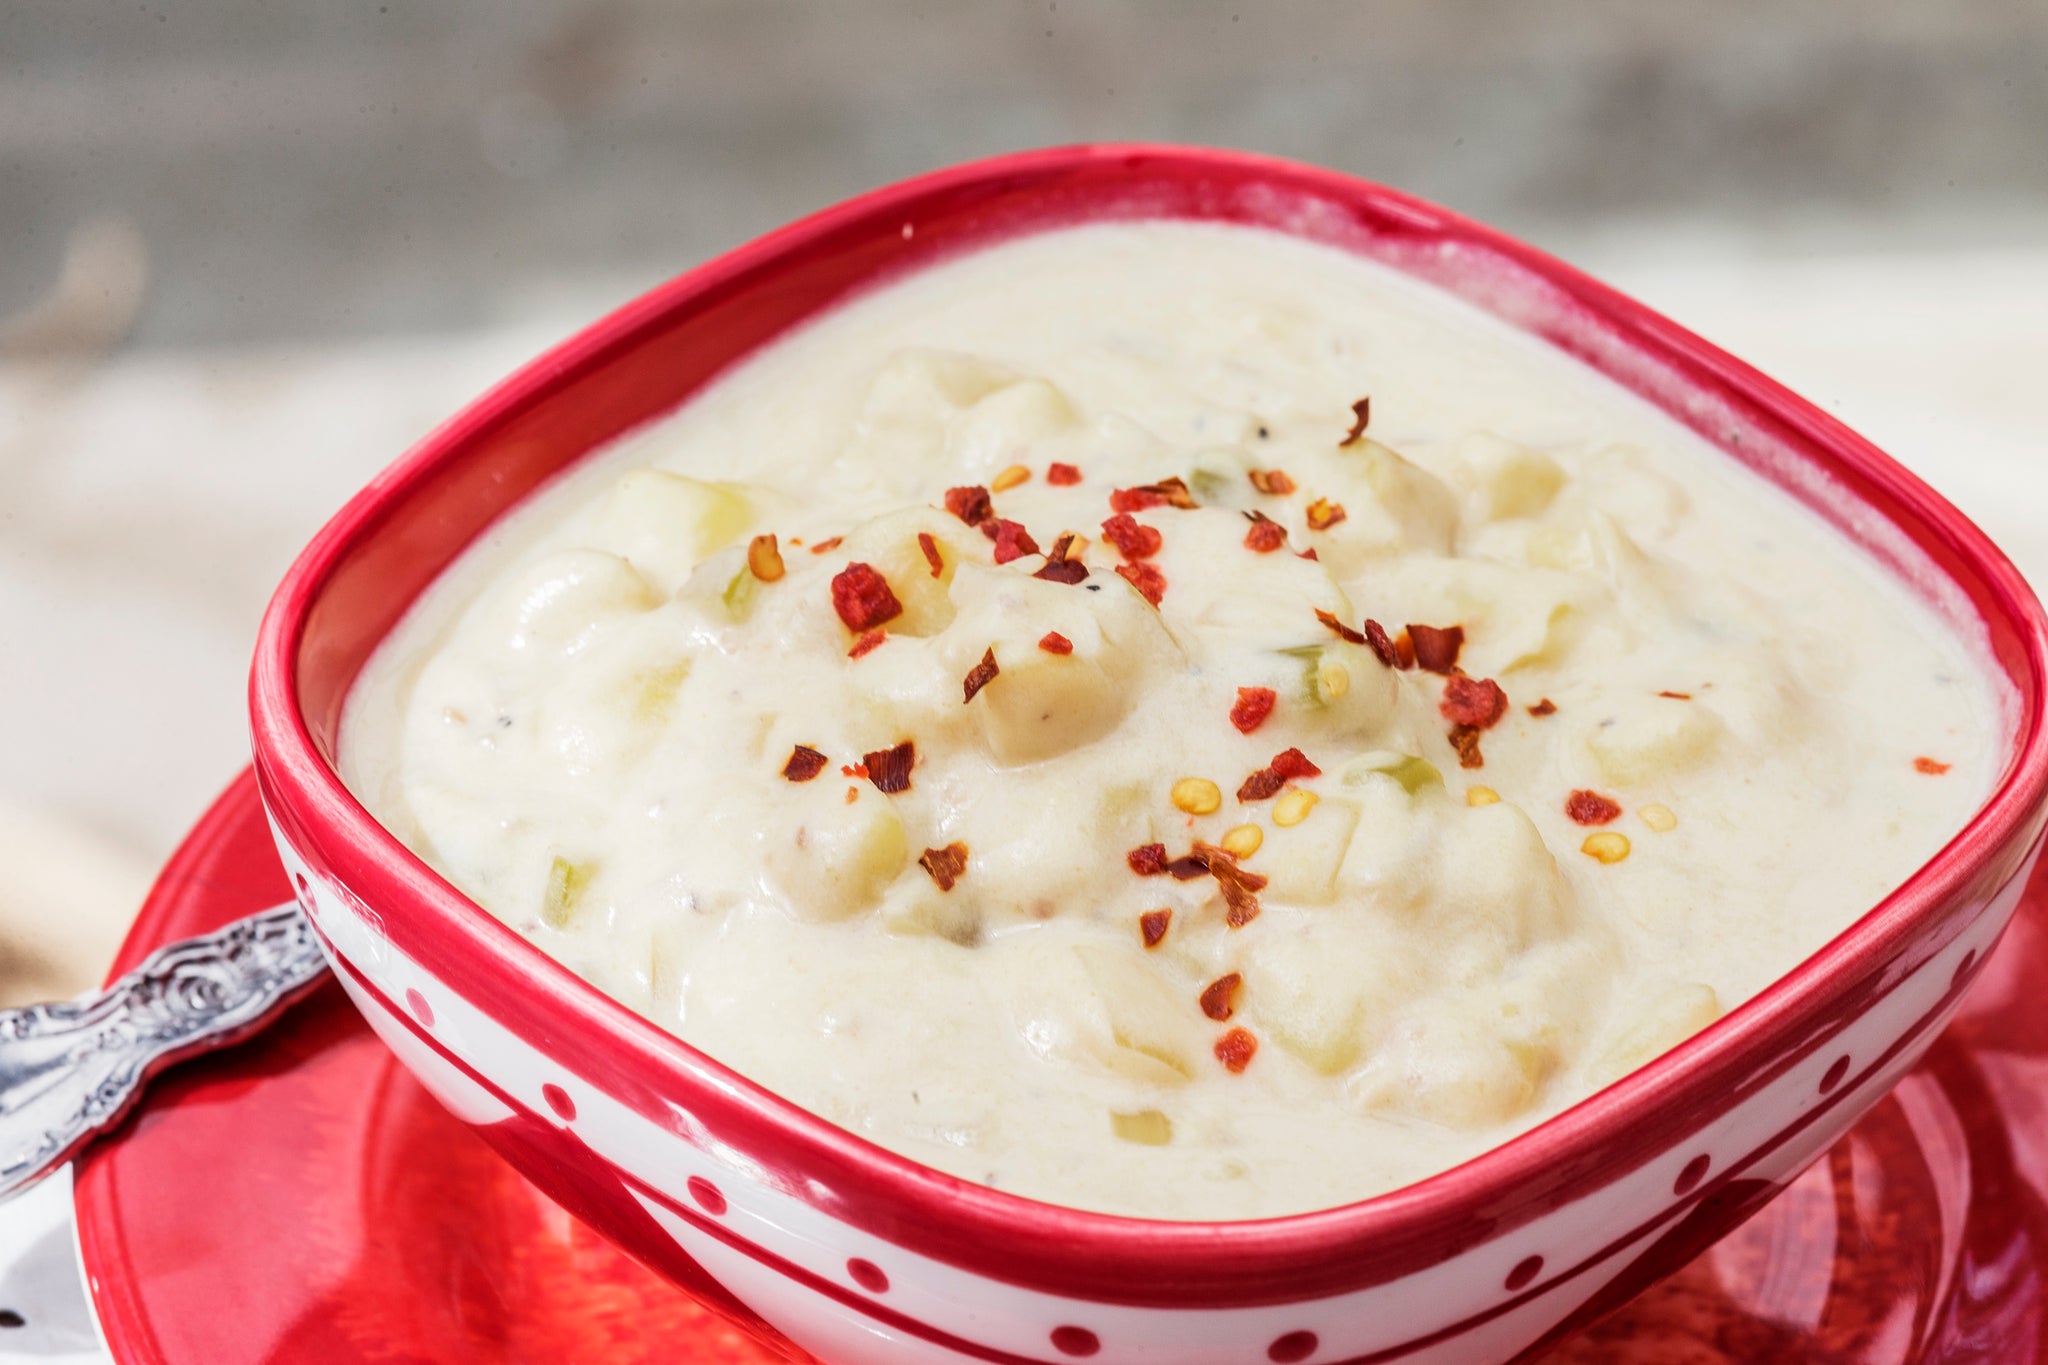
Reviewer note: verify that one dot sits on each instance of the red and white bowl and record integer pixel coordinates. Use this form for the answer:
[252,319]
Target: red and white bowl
[826,1244]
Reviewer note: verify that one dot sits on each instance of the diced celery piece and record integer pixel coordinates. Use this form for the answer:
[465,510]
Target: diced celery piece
[1411,772]
[1209,485]
[739,594]
[567,882]
[1311,657]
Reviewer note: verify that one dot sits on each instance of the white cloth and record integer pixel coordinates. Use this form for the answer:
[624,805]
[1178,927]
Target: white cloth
[39,1281]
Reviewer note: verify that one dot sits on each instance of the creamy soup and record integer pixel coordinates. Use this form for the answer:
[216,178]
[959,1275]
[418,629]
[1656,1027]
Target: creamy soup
[1172,720]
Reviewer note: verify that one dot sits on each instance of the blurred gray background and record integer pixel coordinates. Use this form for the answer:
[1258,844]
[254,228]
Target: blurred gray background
[255,248]
[311,168]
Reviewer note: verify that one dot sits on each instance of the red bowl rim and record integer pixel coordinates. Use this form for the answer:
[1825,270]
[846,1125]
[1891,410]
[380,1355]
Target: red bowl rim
[1106,1256]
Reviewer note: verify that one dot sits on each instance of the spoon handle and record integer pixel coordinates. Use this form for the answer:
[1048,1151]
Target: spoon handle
[71,1069]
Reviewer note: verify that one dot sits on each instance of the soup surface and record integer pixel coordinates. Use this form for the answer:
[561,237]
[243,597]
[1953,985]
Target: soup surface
[1172,720]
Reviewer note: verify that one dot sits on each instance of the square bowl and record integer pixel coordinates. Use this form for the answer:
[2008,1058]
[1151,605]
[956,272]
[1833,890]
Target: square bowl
[826,1244]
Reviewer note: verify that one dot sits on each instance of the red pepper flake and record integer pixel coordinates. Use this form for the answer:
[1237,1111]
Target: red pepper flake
[1677,696]
[852,795]
[1361,418]
[970,504]
[1477,702]
[1436,649]
[1381,643]
[931,552]
[1152,926]
[1147,860]
[853,770]
[1323,514]
[1266,535]
[1404,651]
[945,865]
[1294,763]
[1272,481]
[1287,766]
[868,643]
[804,764]
[1189,866]
[826,546]
[1012,540]
[1165,493]
[981,675]
[1329,618]
[1933,767]
[1591,808]
[1465,739]
[1240,888]
[1543,708]
[862,597]
[1146,578]
[1057,567]
[1052,642]
[1236,1049]
[1260,785]
[1309,553]
[1062,475]
[1252,707]
[1219,997]
[1132,538]
[889,769]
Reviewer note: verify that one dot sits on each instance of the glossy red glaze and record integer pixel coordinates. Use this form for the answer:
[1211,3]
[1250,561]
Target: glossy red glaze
[366,566]
[307,1180]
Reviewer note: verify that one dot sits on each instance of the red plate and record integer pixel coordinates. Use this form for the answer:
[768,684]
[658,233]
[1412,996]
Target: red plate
[301,1201]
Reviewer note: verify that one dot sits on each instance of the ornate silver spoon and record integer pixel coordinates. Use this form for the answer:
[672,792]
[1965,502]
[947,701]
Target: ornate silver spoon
[71,1069]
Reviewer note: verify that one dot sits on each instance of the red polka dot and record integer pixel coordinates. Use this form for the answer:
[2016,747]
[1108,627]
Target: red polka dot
[559,1101]
[1526,1270]
[867,1275]
[707,1196]
[1292,1347]
[424,1012]
[1695,1171]
[1075,1341]
[1835,1074]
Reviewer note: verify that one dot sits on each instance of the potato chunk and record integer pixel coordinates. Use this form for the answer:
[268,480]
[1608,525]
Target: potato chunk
[890,543]
[836,859]
[665,524]
[1327,988]
[559,604]
[1301,861]
[1655,738]
[1496,882]
[1503,480]
[929,407]
[1106,1008]
[1002,427]
[1456,1069]
[1042,703]
[1390,505]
